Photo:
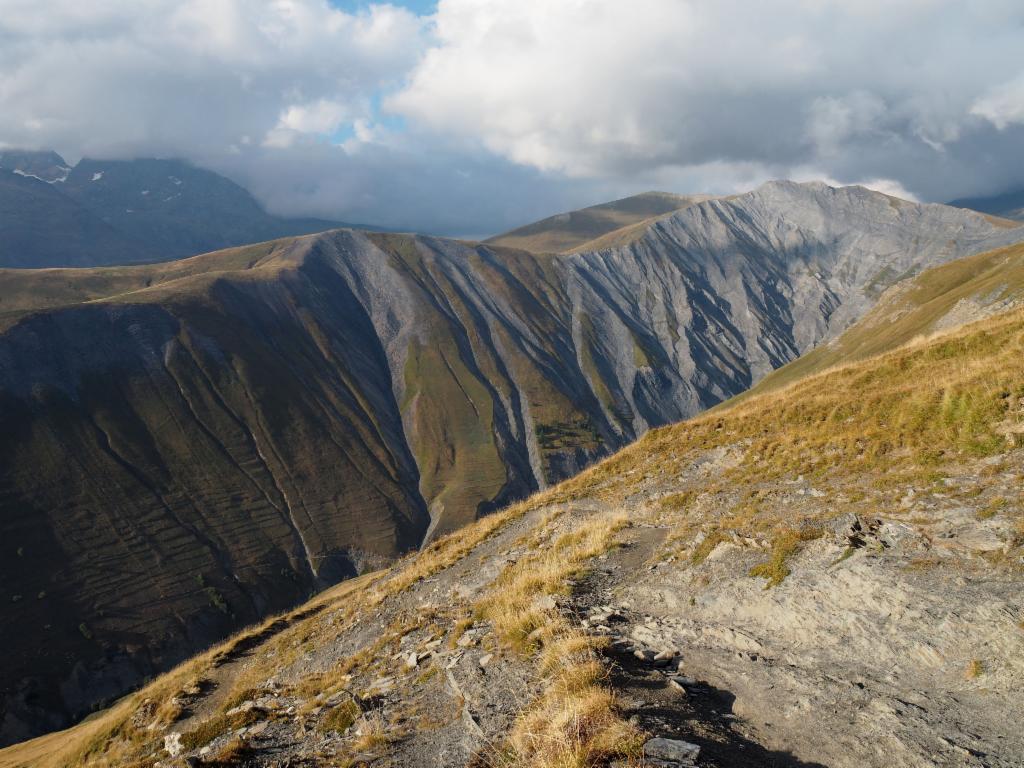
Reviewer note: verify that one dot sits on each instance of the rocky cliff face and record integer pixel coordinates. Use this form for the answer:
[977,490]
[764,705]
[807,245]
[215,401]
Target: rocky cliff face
[191,447]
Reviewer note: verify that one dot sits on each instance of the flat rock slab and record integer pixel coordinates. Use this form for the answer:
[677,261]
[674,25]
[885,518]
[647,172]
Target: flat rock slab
[672,751]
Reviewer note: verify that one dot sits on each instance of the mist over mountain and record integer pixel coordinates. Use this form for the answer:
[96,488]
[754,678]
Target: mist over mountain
[124,212]
[1009,205]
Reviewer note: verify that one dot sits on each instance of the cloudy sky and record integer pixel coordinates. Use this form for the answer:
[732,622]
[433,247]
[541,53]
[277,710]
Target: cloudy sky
[471,116]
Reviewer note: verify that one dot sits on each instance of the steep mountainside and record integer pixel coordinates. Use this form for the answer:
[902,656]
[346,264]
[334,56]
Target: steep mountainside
[963,291]
[119,212]
[847,551]
[246,426]
[575,230]
[1009,205]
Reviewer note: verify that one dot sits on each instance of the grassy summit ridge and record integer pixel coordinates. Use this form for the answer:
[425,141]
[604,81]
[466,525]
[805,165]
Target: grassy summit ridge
[597,226]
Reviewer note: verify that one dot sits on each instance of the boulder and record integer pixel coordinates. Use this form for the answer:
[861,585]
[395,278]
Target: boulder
[672,750]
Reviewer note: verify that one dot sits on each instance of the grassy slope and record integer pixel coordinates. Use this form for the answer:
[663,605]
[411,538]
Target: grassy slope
[910,413]
[451,382]
[610,223]
[25,290]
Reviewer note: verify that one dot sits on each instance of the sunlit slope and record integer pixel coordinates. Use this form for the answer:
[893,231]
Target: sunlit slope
[575,231]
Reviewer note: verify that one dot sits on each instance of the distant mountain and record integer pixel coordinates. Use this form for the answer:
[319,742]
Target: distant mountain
[46,166]
[190,446]
[126,211]
[1009,205]
[41,226]
[576,230]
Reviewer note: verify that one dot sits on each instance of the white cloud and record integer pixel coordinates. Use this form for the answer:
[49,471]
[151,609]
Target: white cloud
[563,103]
[191,77]
[322,116]
[592,88]
[885,186]
[1002,105]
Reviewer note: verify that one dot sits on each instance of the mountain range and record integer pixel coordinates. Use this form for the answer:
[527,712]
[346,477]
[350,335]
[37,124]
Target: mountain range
[194,445]
[1009,205]
[842,544]
[124,212]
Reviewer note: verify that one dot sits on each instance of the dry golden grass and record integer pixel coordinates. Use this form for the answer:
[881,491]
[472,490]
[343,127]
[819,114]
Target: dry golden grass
[886,423]
[341,717]
[910,314]
[575,721]
[371,732]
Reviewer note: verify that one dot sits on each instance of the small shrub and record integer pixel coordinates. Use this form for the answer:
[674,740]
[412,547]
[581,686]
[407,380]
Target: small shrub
[427,674]
[341,717]
[993,507]
[231,754]
[677,502]
[372,732]
[847,554]
[459,630]
[216,599]
[707,546]
[216,726]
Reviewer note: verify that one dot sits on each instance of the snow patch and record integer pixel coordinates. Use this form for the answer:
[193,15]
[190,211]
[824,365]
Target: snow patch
[175,180]
[97,176]
[59,179]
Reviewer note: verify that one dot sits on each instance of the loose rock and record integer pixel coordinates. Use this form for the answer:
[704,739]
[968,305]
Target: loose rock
[675,750]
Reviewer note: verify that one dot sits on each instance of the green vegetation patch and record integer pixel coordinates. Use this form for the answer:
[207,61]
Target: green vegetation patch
[785,544]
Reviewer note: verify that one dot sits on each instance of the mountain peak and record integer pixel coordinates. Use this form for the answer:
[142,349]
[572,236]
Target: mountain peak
[45,165]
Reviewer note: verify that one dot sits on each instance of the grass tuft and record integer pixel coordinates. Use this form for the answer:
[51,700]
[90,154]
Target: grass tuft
[575,722]
[785,544]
